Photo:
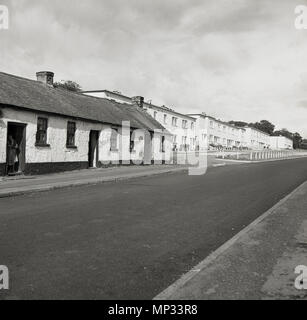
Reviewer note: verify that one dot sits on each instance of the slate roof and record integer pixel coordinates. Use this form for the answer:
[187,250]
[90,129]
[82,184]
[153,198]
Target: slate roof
[33,95]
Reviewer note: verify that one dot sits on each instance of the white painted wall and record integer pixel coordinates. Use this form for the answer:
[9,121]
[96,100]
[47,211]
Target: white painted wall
[281,143]
[212,131]
[256,139]
[56,138]
[180,134]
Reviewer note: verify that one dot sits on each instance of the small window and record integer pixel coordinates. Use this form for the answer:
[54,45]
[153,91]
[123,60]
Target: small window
[174,122]
[41,134]
[162,145]
[132,143]
[71,132]
[165,119]
[114,135]
[155,114]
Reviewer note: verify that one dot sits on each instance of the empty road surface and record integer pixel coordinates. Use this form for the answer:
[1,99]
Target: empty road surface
[131,240]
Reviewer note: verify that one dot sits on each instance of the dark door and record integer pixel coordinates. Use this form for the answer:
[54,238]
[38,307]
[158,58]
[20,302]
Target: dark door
[17,131]
[93,149]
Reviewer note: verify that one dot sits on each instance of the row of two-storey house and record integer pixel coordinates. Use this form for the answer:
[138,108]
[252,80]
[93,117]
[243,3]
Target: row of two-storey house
[200,131]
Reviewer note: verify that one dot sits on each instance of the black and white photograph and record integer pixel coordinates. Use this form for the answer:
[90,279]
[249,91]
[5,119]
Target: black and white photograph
[153,154]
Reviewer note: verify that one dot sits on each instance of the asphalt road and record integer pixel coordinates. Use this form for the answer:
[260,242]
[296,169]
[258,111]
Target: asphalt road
[131,240]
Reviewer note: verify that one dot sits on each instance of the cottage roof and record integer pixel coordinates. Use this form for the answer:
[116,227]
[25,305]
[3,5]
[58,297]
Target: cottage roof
[36,96]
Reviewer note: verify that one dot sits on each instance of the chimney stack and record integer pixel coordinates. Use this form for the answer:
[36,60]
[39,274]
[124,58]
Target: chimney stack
[138,101]
[45,77]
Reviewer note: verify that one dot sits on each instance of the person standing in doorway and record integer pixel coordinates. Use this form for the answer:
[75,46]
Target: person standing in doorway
[12,149]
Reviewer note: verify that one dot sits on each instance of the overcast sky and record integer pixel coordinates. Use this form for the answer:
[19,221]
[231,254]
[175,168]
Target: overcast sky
[235,60]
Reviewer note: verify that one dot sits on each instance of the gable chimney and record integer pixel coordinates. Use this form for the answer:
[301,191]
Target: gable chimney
[45,77]
[138,101]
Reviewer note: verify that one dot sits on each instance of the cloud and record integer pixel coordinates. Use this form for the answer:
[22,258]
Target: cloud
[240,60]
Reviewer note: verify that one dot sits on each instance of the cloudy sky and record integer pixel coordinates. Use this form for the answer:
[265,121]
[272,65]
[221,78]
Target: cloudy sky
[236,60]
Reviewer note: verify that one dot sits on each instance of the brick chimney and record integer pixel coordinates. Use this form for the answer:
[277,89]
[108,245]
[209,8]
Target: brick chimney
[45,77]
[138,101]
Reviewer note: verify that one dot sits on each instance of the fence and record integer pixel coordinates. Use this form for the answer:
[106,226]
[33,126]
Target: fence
[259,155]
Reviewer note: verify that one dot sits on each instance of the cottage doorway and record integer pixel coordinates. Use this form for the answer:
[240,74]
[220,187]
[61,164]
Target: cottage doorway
[16,148]
[93,149]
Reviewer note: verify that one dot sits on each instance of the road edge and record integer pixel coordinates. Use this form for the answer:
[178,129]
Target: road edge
[168,292]
[95,181]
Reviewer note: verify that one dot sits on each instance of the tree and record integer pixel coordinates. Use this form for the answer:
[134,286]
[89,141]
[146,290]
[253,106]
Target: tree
[297,140]
[264,125]
[68,85]
[304,144]
[283,132]
[238,123]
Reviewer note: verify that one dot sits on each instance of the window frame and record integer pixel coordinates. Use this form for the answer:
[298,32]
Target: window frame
[38,141]
[68,134]
[184,124]
[174,121]
[114,140]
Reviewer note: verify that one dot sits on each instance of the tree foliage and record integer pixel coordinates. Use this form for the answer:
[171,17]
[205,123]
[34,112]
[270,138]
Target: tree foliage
[283,132]
[265,126]
[238,123]
[68,85]
[297,140]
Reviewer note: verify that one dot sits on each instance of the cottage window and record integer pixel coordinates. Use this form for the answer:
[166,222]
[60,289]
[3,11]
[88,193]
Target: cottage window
[71,132]
[114,136]
[41,134]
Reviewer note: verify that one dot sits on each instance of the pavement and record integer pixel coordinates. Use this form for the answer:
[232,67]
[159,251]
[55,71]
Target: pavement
[259,263]
[134,239]
[19,185]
